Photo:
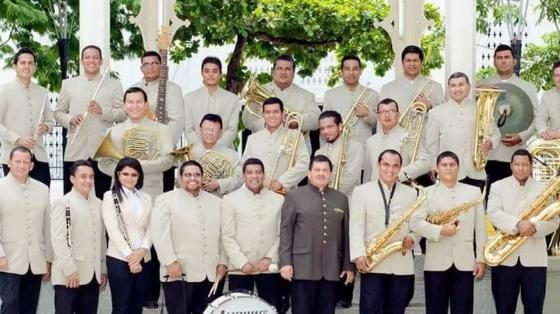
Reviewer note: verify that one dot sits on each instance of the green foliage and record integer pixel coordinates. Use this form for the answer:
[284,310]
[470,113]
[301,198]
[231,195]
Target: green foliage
[537,61]
[485,73]
[433,42]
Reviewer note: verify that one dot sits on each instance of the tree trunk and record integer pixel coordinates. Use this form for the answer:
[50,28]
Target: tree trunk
[63,50]
[232,79]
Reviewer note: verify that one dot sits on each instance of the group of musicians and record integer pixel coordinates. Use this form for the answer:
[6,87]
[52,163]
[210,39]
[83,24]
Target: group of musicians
[301,243]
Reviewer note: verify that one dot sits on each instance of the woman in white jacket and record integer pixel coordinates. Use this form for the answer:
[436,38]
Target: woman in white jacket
[126,213]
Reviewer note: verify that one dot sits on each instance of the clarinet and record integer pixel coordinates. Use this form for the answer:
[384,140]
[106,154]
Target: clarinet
[68,225]
[121,220]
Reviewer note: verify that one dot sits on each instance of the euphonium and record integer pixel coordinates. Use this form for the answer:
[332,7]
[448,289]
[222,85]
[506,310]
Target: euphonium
[381,247]
[502,245]
[347,127]
[215,166]
[484,125]
[138,142]
[254,95]
[450,215]
[290,141]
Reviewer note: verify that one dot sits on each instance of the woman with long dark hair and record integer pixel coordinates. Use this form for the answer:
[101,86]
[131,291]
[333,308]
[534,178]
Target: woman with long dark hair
[126,213]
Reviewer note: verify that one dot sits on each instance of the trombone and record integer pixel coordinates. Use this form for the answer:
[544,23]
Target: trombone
[35,136]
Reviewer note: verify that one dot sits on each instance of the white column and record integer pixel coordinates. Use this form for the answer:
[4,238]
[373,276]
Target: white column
[95,26]
[460,37]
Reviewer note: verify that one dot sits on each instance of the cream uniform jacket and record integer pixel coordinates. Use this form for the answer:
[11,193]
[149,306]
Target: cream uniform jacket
[173,105]
[451,127]
[87,239]
[403,91]
[367,223]
[341,99]
[222,102]
[20,109]
[230,183]
[136,226]
[153,169]
[186,229]
[501,152]
[75,95]
[24,225]
[394,139]
[251,226]
[548,113]
[352,168]
[506,202]
[458,250]
[294,97]
[266,147]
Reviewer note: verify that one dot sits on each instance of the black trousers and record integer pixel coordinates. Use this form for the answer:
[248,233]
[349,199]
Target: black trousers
[183,297]
[19,293]
[128,291]
[268,286]
[451,289]
[314,296]
[81,300]
[497,170]
[385,293]
[102,181]
[40,172]
[345,292]
[474,182]
[508,281]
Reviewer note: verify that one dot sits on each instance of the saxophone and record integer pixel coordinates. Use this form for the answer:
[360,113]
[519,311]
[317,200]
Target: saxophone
[447,216]
[381,248]
[347,126]
[502,245]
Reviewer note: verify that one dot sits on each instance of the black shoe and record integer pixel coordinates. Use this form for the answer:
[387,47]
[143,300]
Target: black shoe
[151,305]
[345,304]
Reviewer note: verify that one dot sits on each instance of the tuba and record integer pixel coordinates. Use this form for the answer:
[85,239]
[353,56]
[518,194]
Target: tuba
[379,249]
[290,141]
[215,166]
[500,246]
[138,142]
[347,126]
[485,107]
[253,94]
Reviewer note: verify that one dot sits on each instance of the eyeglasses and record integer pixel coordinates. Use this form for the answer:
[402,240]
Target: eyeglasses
[129,174]
[192,175]
[389,111]
[150,64]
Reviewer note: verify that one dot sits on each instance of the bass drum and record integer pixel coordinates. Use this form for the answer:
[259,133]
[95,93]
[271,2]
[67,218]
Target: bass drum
[239,302]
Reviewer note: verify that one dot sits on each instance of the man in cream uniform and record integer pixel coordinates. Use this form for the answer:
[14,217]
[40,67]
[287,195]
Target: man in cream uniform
[525,268]
[389,286]
[22,104]
[451,127]
[342,98]
[79,244]
[151,69]
[390,136]
[211,98]
[135,104]
[75,100]
[403,90]
[498,163]
[547,120]
[251,233]
[266,145]
[25,245]
[211,131]
[292,96]
[185,227]
[330,127]
[451,260]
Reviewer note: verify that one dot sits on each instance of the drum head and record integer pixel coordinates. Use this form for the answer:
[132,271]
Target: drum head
[239,302]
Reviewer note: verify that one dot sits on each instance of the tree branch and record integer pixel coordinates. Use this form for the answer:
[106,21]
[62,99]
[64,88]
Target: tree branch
[232,81]
[296,41]
[7,38]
